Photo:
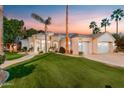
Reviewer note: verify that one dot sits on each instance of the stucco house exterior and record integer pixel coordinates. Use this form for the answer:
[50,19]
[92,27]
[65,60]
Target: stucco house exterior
[37,42]
[100,43]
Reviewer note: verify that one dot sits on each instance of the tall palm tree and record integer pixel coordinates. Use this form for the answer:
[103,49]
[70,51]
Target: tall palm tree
[117,15]
[46,22]
[94,27]
[105,22]
[67,48]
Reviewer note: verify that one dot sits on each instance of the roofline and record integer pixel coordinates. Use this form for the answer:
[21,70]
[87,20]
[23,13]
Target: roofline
[105,33]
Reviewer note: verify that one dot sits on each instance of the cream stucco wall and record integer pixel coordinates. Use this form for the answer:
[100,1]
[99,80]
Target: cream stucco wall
[105,38]
[75,45]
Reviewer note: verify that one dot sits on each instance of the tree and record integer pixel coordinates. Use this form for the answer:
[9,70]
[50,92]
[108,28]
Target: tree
[46,22]
[119,42]
[29,32]
[105,22]
[96,30]
[117,15]
[12,29]
[94,27]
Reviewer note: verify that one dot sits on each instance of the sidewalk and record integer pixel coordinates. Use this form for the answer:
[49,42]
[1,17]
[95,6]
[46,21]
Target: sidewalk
[8,63]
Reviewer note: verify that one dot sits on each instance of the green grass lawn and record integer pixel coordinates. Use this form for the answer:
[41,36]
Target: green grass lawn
[11,56]
[54,70]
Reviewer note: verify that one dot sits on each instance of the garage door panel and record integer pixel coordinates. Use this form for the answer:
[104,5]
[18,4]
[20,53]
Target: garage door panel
[103,47]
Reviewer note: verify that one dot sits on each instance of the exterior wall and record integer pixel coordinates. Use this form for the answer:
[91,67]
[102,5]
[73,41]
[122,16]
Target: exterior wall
[63,43]
[105,38]
[94,46]
[75,46]
[37,42]
[24,43]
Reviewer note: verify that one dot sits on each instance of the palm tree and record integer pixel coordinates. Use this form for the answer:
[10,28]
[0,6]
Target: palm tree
[46,22]
[94,27]
[117,15]
[96,30]
[105,22]
[67,48]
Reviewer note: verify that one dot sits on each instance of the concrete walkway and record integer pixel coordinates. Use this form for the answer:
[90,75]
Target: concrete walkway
[116,59]
[8,63]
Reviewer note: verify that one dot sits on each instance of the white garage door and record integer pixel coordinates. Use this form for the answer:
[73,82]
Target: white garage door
[84,47]
[103,47]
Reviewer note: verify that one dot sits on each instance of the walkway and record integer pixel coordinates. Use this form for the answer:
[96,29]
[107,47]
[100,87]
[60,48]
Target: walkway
[8,63]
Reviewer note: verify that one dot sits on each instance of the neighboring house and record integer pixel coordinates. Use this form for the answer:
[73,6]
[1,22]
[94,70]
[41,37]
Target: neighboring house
[87,44]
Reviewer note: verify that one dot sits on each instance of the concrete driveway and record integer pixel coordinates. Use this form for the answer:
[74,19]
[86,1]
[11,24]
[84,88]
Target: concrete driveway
[116,59]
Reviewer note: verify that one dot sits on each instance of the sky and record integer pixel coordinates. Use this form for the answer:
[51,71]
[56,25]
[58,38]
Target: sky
[80,16]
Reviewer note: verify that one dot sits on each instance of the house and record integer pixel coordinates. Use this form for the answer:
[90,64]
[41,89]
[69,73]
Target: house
[87,44]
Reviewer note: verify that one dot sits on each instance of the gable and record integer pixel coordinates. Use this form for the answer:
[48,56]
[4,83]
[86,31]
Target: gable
[106,38]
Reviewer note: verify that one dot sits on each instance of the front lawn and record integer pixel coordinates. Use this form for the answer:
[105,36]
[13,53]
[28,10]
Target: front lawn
[11,56]
[54,70]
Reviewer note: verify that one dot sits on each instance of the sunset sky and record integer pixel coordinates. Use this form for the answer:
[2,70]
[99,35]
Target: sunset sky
[80,16]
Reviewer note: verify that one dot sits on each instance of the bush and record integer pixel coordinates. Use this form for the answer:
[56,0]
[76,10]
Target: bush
[71,51]
[41,52]
[62,50]
[24,49]
[2,59]
[80,53]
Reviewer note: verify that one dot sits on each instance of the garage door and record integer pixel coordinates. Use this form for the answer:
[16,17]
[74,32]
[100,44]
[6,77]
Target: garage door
[103,47]
[84,47]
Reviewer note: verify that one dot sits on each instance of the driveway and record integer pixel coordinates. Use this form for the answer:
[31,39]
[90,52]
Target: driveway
[116,59]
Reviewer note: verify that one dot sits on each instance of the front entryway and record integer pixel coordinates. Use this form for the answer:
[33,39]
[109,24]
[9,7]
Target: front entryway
[83,47]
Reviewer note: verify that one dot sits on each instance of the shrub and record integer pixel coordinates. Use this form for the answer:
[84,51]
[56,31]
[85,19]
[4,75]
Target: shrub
[41,52]
[62,50]
[24,49]
[80,53]
[71,51]
[2,59]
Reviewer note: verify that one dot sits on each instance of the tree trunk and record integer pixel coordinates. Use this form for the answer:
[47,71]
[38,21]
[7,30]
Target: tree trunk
[105,28]
[117,27]
[67,50]
[45,38]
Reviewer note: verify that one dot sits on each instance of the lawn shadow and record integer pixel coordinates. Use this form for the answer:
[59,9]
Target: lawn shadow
[23,69]
[20,71]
